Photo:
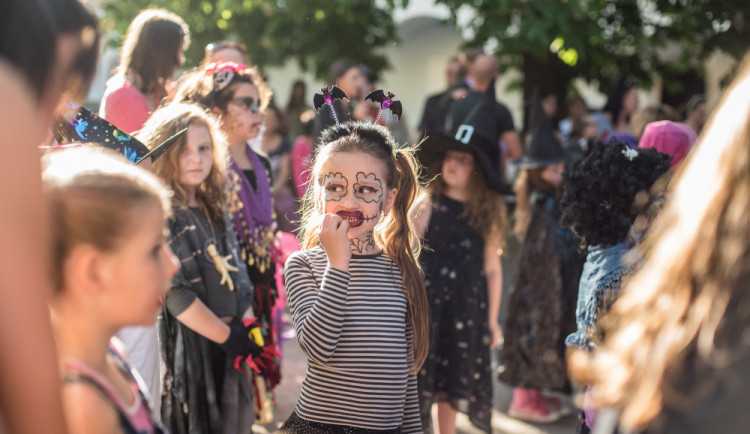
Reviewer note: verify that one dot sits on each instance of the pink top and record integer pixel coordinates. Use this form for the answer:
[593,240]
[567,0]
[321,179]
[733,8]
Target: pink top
[301,158]
[137,412]
[125,107]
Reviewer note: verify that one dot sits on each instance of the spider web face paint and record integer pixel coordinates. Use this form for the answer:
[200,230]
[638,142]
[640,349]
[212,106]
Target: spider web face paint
[335,186]
[368,188]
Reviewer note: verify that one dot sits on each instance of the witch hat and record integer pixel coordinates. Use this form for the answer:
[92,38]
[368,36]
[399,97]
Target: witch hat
[470,126]
[543,149]
[86,127]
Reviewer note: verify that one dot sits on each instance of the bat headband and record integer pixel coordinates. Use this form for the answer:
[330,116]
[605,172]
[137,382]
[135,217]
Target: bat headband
[383,100]
[224,73]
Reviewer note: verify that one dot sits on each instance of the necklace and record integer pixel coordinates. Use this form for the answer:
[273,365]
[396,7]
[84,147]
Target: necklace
[222,264]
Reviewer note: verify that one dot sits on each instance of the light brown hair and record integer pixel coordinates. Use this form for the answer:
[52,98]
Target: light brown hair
[150,51]
[198,87]
[94,197]
[395,233]
[680,321]
[484,208]
[527,182]
[168,121]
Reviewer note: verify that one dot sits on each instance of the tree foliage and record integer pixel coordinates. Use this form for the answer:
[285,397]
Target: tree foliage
[604,39]
[314,33]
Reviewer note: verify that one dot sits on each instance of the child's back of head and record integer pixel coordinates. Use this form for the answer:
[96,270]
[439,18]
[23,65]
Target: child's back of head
[96,199]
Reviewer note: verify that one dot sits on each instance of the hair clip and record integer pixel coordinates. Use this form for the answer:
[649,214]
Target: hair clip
[629,153]
[327,97]
[223,73]
[385,102]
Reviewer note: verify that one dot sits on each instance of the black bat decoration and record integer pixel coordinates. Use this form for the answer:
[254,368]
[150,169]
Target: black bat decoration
[327,97]
[386,102]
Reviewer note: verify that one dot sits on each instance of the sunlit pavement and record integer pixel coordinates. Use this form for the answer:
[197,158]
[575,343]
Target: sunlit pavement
[293,372]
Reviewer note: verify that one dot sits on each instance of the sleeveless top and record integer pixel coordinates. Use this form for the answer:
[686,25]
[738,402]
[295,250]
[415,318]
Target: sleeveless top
[134,418]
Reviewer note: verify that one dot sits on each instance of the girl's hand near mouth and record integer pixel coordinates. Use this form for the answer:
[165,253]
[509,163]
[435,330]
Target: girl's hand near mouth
[333,237]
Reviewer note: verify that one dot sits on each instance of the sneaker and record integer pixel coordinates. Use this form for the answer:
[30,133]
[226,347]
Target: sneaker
[555,405]
[535,411]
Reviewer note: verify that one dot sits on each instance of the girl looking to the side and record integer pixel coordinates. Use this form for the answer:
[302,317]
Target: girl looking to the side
[111,268]
[356,292]
[202,329]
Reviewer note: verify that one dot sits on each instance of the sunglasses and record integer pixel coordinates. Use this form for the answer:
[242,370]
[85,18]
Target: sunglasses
[247,102]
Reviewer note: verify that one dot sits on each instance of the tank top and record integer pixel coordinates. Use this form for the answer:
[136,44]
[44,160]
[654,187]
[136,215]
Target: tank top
[134,418]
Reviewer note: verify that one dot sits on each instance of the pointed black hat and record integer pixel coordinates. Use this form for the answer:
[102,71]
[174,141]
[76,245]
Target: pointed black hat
[87,127]
[470,126]
[543,149]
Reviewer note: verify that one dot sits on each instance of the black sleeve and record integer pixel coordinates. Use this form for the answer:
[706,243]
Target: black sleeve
[266,165]
[504,119]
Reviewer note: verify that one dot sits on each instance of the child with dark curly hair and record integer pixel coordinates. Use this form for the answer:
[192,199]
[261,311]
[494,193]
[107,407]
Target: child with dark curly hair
[599,205]
[541,309]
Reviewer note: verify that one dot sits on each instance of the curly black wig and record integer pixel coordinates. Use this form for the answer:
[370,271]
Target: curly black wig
[599,190]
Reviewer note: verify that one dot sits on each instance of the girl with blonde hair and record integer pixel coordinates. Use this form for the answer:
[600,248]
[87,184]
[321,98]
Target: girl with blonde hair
[202,328]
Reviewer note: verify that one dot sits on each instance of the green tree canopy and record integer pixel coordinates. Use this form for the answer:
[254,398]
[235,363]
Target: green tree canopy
[604,39]
[314,33]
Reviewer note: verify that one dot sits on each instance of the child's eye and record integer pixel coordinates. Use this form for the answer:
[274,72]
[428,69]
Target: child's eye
[365,189]
[334,188]
[204,148]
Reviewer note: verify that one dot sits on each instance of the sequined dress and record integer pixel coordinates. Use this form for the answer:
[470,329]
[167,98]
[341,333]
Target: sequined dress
[457,369]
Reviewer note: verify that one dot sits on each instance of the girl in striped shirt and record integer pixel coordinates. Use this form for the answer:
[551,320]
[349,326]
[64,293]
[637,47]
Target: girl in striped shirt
[356,291]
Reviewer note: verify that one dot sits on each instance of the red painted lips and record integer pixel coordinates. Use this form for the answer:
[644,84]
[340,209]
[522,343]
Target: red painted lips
[355,218]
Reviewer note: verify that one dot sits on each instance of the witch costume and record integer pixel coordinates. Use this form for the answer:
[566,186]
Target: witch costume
[541,307]
[202,390]
[457,369]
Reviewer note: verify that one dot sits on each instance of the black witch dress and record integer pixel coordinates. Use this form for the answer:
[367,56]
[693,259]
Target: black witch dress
[541,307]
[202,391]
[457,370]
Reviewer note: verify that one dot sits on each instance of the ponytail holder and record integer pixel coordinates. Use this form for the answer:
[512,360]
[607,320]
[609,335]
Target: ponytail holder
[395,154]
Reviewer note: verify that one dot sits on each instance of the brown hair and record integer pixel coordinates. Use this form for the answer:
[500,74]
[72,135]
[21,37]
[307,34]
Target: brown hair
[151,49]
[527,182]
[395,233]
[484,207]
[198,88]
[680,320]
[93,196]
[168,121]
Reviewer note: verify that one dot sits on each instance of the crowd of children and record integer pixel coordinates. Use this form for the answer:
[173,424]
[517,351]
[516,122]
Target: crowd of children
[165,260]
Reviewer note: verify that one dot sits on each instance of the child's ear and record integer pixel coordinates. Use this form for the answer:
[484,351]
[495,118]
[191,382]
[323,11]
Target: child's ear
[83,269]
[389,199]
[216,112]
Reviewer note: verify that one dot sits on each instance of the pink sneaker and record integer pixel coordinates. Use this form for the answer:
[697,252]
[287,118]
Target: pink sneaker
[555,405]
[536,411]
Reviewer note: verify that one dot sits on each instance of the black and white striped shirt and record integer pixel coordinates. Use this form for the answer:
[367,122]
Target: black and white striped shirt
[353,328]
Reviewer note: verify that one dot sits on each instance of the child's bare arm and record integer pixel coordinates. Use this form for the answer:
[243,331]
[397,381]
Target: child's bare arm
[494,273]
[199,318]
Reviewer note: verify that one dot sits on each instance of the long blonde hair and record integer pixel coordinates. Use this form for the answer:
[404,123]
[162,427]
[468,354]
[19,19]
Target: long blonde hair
[395,232]
[168,121]
[689,305]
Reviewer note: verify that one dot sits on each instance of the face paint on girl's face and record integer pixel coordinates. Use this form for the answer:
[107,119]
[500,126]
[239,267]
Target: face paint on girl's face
[368,187]
[335,186]
[361,204]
